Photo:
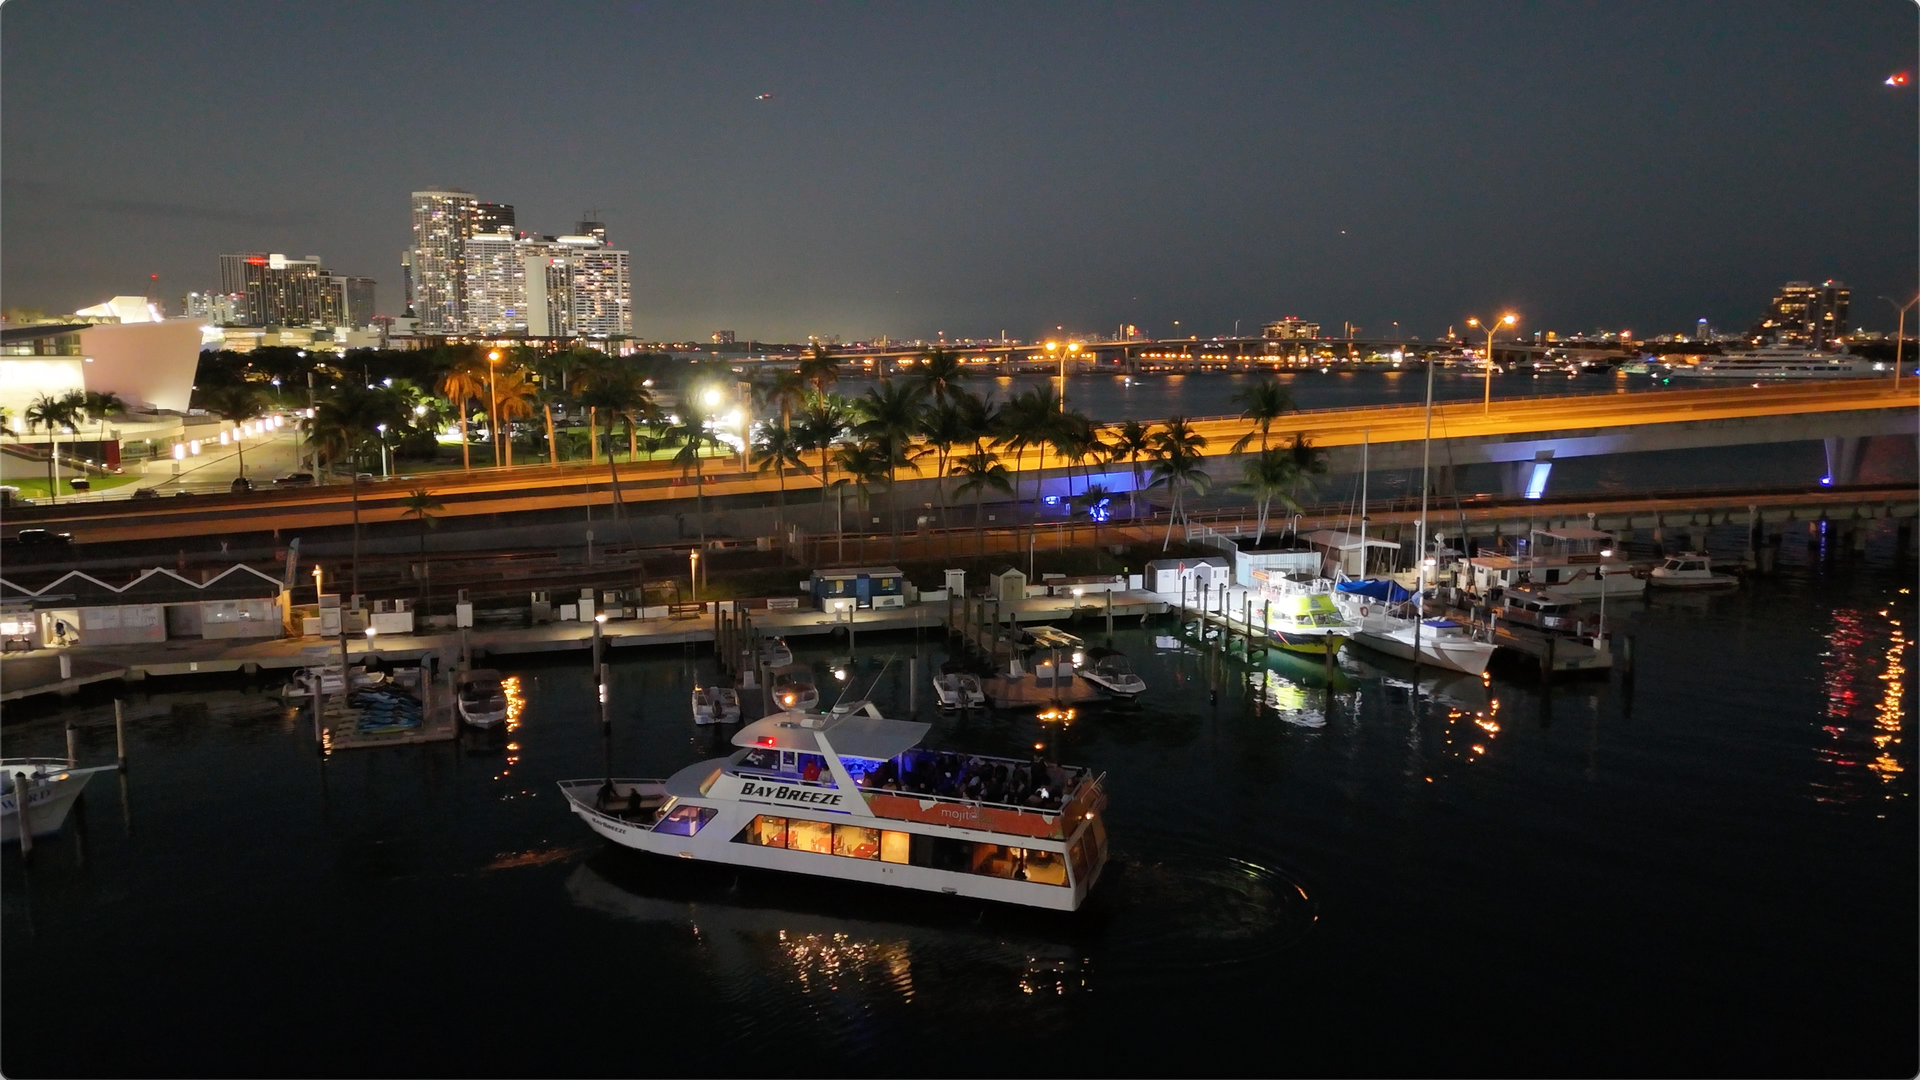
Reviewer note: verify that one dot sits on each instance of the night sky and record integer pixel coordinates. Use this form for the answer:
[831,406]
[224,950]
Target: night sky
[977,168]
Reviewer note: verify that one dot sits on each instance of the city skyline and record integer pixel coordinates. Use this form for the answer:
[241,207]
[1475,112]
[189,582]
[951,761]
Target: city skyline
[978,172]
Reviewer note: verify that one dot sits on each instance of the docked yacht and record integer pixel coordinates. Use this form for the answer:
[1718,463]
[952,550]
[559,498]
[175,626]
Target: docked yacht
[50,786]
[1110,670]
[1441,642]
[1576,562]
[793,688]
[482,700]
[1304,622]
[849,796]
[1781,362]
[716,705]
[1535,608]
[958,690]
[1690,570]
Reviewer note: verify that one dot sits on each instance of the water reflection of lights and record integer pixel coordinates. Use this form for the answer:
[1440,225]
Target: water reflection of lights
[516,702]
[1289,699]
[827,961]
[1851,655]
[1890,713]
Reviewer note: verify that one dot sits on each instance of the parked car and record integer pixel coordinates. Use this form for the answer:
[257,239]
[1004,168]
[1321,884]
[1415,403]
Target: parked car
[364,478]
[182,493]
[240,486]
[145,493]
[80,483]
[42,538]
[292,479]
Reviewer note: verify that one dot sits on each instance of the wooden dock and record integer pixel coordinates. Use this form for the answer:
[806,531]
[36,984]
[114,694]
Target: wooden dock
[339,723]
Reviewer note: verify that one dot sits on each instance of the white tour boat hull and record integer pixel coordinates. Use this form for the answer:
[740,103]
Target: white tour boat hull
[49,799]
[1458,654]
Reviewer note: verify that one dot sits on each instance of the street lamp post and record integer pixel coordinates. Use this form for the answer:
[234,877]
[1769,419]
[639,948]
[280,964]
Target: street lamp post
[493,406]
[385,470]
[693,573]
[1507,320]
[1900,335]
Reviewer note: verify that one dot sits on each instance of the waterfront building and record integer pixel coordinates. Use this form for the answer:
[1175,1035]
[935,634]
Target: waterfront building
[442,222]
[280,290]
[1807,314]
[1290,328]
[217,308]
[576,287]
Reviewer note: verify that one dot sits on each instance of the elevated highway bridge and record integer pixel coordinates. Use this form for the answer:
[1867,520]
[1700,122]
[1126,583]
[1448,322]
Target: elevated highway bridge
[1513,431]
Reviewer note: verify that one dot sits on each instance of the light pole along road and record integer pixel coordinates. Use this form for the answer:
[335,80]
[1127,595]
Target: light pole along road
[1508,320]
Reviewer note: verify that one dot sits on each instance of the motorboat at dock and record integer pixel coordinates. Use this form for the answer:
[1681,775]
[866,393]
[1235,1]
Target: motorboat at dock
[481,698]
[1689,570]
[716,705]
[1577,563]
[851,796]
[958,690]
[793,688]
[1304,621]
[48,794]
[1110,670]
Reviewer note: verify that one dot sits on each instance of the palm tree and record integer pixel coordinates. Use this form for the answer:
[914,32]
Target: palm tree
[778,449]
[236,403]
[514,395]
[862,464]
[1308,462]
[1029,421]
[1077,442]
[1264,402]
[890,415]
[1270,475]
[820,368]
[1090,500]
[99,407]
[982,471]
[1132,440]
[421,506]
[464,380]
[940,372]
[53,414]
[944,426]
[822,423]
[788,393]
[1179,467]
[690,433]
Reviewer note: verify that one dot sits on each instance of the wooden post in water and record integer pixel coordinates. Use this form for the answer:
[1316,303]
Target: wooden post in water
[1109,617]
[1546,660]
[120,732]
[23,813]
[913,686]
[73,746]
[602,676]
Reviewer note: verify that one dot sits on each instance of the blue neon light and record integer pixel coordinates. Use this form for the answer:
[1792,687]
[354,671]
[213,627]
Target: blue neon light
[1537,481]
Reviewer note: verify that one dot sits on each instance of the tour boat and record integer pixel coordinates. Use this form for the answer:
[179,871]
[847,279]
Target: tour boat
[1307,623]
[793,688]
[482,700]
[958,690]
[849,796]
[1110,670]
[1533,607]
[51,788]
[1689,570]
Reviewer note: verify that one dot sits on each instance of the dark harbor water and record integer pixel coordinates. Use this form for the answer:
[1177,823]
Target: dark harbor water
[1714,874]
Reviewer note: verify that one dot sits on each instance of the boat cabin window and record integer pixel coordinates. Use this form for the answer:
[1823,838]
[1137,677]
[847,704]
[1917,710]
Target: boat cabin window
[685,820]
[846,841]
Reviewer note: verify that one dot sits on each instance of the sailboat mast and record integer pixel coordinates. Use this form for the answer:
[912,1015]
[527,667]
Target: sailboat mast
[1420,579]
[1363,504]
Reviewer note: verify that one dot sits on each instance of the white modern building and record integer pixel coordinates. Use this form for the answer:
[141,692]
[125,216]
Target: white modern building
[442,222]
[588,290]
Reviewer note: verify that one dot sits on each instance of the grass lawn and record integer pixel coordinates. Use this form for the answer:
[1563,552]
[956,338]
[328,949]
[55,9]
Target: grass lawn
[37,489]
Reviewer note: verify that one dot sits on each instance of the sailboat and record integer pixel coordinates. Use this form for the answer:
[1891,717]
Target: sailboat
[1378,608]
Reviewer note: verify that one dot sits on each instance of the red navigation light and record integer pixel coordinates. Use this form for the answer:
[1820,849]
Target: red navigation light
[1898,78]
[257,261]
[765,740]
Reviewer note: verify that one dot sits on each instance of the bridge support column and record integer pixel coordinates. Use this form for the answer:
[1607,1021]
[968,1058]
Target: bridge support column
[1697,538]
[1843,459]
[1659,542]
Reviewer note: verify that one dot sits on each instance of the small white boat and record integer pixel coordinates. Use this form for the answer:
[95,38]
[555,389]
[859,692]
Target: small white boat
[482,700]
[1110,670]
[794,689]
[50,790]
[774,653]
[1689,570]
[958,690]
[1440,642]
[946,691]
[706,705]
[726,704]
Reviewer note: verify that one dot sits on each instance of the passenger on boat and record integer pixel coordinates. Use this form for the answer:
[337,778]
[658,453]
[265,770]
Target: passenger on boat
[810,772]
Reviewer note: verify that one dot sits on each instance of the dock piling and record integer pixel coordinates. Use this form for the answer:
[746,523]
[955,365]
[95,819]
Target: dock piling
[73,746]
[913,686]
[120,732]
[22,800]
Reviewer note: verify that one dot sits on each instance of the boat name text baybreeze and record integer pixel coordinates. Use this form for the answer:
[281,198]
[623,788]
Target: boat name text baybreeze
[782,793]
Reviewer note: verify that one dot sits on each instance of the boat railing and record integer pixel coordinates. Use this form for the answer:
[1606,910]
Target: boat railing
[1084,797]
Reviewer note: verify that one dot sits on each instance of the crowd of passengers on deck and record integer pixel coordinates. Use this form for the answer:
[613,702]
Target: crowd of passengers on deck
[1039,784]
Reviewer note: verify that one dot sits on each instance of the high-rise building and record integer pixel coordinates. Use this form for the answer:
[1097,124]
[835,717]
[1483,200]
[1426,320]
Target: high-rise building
[575,286]
[406,282]
[220,309]
[595,229]
[496,286]
[492,218]
[353,300]
[280,291]
[1807,314]
[442,222]
[1291,327]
